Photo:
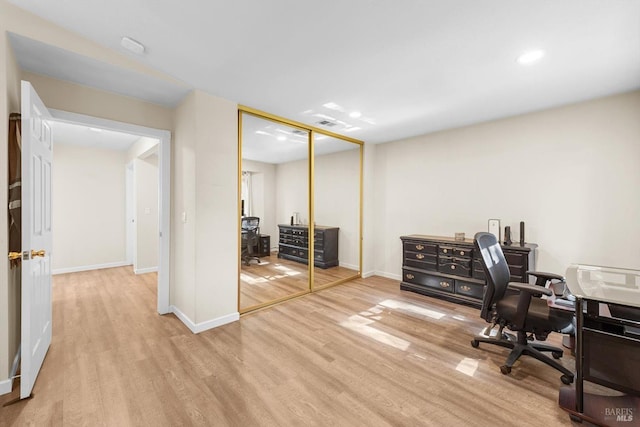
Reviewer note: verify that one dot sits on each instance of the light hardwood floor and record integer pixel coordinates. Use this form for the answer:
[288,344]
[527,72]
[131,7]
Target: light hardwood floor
[274,278]
[358,354]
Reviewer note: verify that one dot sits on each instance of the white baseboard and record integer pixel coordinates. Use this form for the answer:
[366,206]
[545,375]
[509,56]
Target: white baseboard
[89,267]
[350,266]
[368,274]
[7,385]
[196,328]
[145,270]
[389,275]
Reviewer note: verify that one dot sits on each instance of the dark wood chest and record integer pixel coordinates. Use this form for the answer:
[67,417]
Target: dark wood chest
[446,268]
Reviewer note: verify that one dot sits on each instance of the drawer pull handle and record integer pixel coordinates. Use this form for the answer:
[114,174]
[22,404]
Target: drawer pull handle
[410,276]
[445,284]
[462,253]
[419,247]
[453,267]
[444,251]
[419,256]
[465,288]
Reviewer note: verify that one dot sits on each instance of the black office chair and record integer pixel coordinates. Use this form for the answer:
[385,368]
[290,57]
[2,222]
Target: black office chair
[250,231]
[524,312]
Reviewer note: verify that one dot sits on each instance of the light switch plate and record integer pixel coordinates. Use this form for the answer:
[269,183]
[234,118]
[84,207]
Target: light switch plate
[494,228]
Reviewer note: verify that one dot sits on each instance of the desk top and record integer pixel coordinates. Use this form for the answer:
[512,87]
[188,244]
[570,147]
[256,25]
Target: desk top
[605,284]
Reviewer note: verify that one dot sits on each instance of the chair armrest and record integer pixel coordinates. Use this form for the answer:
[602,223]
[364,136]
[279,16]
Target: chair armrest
[530,289]
[546,276]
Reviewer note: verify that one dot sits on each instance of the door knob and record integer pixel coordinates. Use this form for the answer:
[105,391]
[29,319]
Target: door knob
[14,255]
[34,254]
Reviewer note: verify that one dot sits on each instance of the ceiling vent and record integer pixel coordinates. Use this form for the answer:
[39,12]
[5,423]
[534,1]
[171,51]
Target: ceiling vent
[299,132]
[326,123]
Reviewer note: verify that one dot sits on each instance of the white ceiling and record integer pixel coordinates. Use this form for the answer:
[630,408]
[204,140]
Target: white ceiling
[409,66]
[67,133]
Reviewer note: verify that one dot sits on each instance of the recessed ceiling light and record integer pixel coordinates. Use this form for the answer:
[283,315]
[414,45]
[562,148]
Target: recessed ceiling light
[132,45]
[530,57]
[95,130]
[333,106]
[355,114]
[282,138]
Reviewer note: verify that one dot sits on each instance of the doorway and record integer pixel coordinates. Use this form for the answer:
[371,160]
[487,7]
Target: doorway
[162,151]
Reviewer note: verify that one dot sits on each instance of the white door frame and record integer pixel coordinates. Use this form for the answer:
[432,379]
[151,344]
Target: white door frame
[164,184]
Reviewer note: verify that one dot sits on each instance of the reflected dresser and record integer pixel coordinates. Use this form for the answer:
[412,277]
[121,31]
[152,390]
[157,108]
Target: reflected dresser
[293,244]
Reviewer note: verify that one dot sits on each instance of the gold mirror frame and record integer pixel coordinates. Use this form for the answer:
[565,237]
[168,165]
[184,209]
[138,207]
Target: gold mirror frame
[312,131]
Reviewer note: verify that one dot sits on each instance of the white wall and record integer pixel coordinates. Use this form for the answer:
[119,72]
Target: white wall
[337,200]
[292,189]
[143,153]
[146,179]
[88,207]
[205,259]
[183,230]
[264,196]
[570,173]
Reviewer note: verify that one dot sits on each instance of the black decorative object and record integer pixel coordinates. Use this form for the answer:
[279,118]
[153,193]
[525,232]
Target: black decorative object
[292,220]
[521,233]
[507,236]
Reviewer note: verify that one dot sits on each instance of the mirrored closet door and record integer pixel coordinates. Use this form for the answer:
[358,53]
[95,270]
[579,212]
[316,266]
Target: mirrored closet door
[274,211]
[300,200]
[336,207]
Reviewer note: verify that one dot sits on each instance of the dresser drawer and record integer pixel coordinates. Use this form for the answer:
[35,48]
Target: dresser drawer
[478,270]
[457,266]
[301,253]
[421,260]
[435,282]
[518,273]
[462,252]
[469,289]
[515,258]
[445,250]
[420,247]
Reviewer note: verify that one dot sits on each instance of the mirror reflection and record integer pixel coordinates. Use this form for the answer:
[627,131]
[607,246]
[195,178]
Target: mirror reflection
[336,210]
[274,212]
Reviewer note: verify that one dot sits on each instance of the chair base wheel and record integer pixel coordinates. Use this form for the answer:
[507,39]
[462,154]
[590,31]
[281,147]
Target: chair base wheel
[566,379]
[557,354]
[505,369]
[475,343]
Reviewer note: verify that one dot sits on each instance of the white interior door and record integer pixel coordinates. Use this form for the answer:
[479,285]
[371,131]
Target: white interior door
[36,237]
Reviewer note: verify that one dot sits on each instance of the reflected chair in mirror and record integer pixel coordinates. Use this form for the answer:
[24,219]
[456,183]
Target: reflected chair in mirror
[520,308]
[250,226]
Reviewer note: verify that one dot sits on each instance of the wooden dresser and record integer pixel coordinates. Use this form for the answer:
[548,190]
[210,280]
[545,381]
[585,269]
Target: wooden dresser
[446,268]
[293,244]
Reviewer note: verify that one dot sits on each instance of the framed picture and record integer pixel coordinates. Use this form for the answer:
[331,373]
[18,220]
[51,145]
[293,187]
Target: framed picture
[494,228]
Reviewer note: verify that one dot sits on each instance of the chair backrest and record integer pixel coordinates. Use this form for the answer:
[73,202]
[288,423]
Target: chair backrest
[250,223]
[496,271]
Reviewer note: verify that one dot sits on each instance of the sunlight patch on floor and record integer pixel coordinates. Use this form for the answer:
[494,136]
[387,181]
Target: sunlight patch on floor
[286,270]
[361,324]
[467,366]
[412,308]
[252,280]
